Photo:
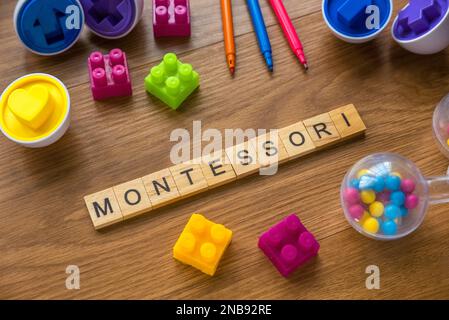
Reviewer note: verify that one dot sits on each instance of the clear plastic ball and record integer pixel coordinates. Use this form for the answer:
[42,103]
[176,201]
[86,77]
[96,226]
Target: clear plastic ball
[395,211]
[441,125]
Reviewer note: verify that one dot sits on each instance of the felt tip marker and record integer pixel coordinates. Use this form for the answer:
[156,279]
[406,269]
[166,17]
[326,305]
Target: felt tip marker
[261,32]
[289,31]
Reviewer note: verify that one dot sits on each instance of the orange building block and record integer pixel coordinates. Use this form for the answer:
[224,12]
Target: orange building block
[202,244]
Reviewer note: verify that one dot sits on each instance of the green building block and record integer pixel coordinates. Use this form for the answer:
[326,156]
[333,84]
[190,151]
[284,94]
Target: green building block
[172,81]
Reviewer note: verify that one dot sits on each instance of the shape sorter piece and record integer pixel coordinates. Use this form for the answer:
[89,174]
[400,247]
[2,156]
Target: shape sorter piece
[161,188]
[132,198]
[352,12]
[112,19]
[202,244]
[47,27]
[419,17]
[104,209]
[189,178]
[288,245]
[171,18]
[172,81]
[109,75]
[32,107]
[348,121]
[322,130]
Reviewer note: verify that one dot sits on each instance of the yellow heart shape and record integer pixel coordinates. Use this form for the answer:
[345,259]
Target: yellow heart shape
[31,106]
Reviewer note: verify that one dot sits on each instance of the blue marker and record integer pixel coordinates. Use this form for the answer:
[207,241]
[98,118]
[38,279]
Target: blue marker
[261,31]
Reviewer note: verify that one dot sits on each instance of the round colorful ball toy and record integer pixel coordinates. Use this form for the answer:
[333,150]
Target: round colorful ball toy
[385,197]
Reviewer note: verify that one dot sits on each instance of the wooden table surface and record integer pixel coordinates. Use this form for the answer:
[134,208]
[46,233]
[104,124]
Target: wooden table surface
[44,224]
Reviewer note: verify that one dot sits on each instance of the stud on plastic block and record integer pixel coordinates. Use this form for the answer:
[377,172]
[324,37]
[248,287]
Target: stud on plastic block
[288,245]
[109,75]
[172,81]
[171,18]
[202,244]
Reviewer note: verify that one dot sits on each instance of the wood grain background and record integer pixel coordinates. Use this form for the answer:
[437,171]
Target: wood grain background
[44,225]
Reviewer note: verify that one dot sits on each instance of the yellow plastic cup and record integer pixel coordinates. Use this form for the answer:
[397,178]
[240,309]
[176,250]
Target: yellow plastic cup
[35,110]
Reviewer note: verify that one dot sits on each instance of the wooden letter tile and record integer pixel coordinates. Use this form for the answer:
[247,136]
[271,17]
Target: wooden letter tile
[132,198]
[296,140]
[270,149]
[217,169]
[348,121]
[189,178]
[161,188]
[322,130]
[243,158]
[103,208]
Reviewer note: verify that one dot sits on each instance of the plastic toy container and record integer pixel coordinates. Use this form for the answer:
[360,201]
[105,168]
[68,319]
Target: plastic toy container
[385,197]
[48,27]
[422,26]
[35,110]
[112,19]
[350,20]
[441,125]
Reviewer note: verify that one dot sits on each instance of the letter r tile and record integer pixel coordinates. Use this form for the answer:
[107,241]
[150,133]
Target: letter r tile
[322,130]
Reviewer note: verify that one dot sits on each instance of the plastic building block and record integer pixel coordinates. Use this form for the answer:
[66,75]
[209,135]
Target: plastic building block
[172,81]
[423,26]
[112,19]
[47,27]
[171,18]
[202,244]
[288,245]
[109,75]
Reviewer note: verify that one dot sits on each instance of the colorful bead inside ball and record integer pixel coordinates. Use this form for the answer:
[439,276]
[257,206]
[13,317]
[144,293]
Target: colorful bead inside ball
[379,200]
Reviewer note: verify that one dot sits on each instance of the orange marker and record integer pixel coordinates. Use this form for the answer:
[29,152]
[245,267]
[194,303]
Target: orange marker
[228,33]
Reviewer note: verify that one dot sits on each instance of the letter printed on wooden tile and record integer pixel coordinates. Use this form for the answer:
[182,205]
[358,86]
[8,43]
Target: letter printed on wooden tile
[243,158]
[296,140]
[132,198]
[270,149]
[322,130]
[189,178]
[217,169]
[161,188]
[348,121]
[104,209]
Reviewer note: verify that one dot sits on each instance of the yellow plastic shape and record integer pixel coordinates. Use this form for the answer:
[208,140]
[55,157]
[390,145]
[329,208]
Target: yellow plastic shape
[33,107]
[202,244]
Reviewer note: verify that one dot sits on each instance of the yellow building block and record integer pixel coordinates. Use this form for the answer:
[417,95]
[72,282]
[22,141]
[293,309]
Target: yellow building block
[202,244]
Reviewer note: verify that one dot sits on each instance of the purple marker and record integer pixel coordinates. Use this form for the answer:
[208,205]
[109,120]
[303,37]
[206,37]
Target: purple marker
[112,19]
[422,26]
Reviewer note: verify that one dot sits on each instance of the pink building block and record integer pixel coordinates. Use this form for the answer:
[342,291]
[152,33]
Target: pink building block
[109,75]
[288,245]
[171,18]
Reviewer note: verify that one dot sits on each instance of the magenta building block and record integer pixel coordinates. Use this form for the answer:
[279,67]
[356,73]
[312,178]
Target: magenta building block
[109,75]
[288,245]
[171,18]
